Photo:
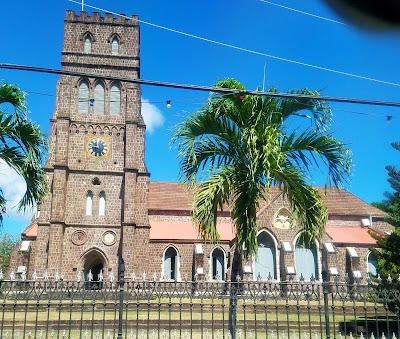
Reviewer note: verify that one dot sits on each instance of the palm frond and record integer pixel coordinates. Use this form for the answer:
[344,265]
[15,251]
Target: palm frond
[303,149]
[23,147]
[209,196]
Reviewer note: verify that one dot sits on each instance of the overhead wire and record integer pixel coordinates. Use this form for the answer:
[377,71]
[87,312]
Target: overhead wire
[327,69]
[305,13]
[199,87]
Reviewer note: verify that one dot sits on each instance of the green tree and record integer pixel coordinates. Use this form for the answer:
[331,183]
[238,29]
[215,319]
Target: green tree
[23,147]
[388,247]
[237,146]
[7,244]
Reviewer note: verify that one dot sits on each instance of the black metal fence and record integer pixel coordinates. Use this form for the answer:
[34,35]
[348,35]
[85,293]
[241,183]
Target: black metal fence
[197,309]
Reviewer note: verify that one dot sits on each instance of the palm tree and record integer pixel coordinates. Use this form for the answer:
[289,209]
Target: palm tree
[238,146]
[23,147]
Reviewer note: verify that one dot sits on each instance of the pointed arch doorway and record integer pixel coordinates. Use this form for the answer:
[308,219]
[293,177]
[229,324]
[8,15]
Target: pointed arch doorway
[94,266]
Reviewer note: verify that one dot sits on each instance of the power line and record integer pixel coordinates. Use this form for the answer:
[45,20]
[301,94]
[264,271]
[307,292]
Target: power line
[305,13]
[248,50]
[191,101]
[198,87]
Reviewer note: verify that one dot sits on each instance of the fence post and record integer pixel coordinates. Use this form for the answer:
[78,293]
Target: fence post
[121,296]
[233,294]
[325,292]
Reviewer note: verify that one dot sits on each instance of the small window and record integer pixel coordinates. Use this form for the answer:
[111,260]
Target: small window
[102,204]
[115,100]
[87,48]
[170,264]
[89,203]
[83,97]
[98,99]
[218,264]
[372,264]
[115,46]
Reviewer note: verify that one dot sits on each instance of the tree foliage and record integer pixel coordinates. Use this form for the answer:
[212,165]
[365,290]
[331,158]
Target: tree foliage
[389,246]
[23,147]
[7,244]
[238,146]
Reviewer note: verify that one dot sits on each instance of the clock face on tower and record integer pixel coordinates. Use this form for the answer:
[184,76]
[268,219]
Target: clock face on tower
[97,147]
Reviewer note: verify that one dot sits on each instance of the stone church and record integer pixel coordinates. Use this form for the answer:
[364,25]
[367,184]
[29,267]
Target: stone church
[101,200]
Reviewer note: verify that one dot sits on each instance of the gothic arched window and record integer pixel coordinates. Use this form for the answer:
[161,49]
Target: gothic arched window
[87,46]
[372,264]
[170,264]
[265,261]
[218,264]
[89,203]
[102,203]
[306,262]
[83,97]
[115,99]
[115,46]
[98,98]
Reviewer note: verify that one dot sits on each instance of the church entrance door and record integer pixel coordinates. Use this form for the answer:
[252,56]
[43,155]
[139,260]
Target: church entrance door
[94,270]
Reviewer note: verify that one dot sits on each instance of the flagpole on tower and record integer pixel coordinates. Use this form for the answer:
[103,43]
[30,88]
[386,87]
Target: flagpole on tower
[82,5]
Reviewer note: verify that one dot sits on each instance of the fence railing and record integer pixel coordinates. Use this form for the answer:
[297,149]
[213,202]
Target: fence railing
[198,309]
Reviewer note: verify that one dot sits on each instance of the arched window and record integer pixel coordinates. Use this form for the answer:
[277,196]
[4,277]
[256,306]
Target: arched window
[115,46]
[115,99]
[87,47]
[306,262]
[372,264]
[102,203]
[170,264]
[218,264]
[83,97]
[89,203]
[265,261]
[99,99]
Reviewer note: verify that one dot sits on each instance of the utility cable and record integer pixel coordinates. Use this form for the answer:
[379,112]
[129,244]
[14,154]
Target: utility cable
[191,101]
[305,13]
[249,50]
[198,87]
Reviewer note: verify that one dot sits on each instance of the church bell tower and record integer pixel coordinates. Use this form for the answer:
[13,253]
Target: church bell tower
[97,177]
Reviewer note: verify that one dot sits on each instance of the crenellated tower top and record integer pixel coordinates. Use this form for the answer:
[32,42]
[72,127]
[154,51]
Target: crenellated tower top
[96,18]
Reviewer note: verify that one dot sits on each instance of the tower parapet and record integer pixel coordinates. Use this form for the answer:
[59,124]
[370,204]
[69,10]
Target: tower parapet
[96,17]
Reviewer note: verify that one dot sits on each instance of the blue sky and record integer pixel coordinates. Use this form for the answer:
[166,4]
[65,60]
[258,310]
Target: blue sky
[33,35]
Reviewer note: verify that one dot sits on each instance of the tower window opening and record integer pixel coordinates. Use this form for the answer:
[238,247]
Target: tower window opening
[87,47]
[83,97]
[102,203]
[115,46]
[99,99]
[89,203]
[115,100]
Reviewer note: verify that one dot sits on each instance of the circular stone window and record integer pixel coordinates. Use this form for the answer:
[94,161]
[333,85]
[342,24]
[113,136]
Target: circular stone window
[79,237]
[109,238]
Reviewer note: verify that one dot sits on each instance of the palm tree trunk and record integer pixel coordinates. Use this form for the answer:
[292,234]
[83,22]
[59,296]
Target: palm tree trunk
[236,272]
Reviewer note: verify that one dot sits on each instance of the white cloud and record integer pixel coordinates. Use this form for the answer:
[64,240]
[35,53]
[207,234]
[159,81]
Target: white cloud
[152,116]
[13,187]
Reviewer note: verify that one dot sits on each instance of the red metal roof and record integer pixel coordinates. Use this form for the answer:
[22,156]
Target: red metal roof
[172,196]
[31,231]
[350,235]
